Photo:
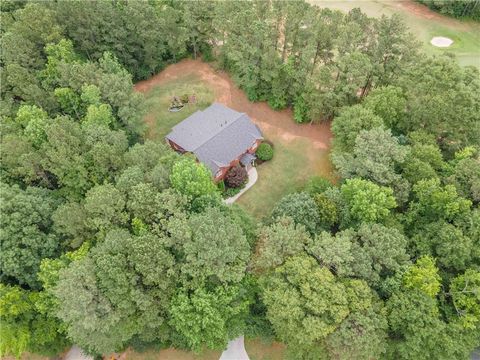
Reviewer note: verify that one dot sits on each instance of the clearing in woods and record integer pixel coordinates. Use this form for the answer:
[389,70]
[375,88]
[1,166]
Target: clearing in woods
[300,151]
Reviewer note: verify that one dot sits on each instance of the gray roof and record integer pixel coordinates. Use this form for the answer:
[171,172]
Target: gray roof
[216,135]
[247,159]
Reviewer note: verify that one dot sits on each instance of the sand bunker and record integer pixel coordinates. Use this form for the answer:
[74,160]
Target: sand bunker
[440,41]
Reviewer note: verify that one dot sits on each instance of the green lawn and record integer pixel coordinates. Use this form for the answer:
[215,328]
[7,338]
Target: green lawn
[159,120]
[294,161]
[465,34]
[256,349]
[286,172]
[259,350]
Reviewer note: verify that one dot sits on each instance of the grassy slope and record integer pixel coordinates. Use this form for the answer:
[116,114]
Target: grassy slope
[465,33]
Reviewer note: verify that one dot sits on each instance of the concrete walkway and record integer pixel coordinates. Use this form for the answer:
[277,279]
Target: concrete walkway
[252,179]
[75,353]
[235,350]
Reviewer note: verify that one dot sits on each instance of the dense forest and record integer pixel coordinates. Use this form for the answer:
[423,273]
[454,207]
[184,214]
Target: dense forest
[111,241]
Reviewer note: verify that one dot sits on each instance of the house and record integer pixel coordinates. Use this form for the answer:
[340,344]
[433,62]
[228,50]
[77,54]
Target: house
[219,137]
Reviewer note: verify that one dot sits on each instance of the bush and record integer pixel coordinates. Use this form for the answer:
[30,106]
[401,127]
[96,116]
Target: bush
[317,185]
[236,177]
[265,152]
[184,98]
[229,192]
[221,186]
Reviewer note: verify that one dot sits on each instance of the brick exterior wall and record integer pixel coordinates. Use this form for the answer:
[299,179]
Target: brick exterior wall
[223,170]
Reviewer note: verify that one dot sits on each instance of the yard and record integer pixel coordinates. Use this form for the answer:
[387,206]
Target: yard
[424,24]
[300,150]
[257,350]
[159,120]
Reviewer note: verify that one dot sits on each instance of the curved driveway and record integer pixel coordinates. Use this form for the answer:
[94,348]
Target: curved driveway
[235,350]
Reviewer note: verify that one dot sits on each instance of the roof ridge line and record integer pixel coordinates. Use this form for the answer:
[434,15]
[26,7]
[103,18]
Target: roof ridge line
[211,137]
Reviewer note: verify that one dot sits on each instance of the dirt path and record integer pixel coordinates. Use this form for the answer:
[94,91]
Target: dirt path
[273,123]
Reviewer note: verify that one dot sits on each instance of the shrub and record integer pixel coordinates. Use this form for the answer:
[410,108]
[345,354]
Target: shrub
[265,152]
[229,192]
[221,186]
[184,98]
[317,185]
[236,177]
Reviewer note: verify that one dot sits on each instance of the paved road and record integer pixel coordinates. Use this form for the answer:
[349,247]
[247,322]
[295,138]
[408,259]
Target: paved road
[235,350]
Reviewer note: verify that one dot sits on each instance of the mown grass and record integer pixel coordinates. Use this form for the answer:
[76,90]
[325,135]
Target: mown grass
[287,172]
[464,33]
[159,120]
[172,354]
[260,350]
[294,161]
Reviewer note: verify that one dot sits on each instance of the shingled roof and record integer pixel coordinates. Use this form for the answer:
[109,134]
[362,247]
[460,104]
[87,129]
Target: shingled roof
[216,135]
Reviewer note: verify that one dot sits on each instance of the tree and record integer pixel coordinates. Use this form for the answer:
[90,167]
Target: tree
[215,248]
[208,317]
[105,208]
[317,185]
[423,162]
[350,122]
[120,290]
[317,301]
[26,234]
[415,327]
[24,328]
[465,293]
[453,248]
[69,222]
[376,156]
[423,276]
[379,252]
[279,241]
[361,335]
[191,178]
[466,178]
[373,253]
[367,201]
[64,157]
[440,84]
[34,121]
[434,202]
[301,208]
[334,252]
[387,102]
[328,211]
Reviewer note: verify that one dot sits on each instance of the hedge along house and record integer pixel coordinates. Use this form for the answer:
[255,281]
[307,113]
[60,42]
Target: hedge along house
[219,137]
